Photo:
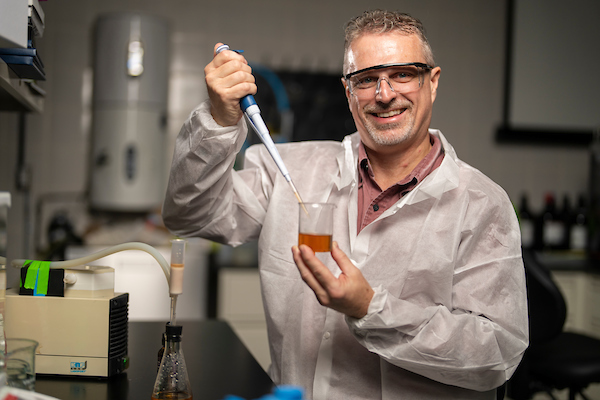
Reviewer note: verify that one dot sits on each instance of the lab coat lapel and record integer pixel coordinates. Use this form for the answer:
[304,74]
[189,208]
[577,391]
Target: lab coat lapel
[443,179]
[347,159]
[347,179]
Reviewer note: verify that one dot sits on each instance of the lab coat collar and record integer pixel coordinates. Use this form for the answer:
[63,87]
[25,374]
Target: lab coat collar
[442,179]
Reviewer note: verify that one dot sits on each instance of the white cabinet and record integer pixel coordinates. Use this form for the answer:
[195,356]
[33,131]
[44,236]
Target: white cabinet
[13,23]
[17,94]
[239,302]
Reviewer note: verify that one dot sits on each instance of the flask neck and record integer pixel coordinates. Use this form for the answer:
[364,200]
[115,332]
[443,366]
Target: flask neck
[173,344]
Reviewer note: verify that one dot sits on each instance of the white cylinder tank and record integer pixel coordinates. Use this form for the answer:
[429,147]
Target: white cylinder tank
[131,74]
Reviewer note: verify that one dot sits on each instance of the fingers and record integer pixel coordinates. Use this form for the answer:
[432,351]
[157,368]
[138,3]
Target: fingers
[349,293]
[228,78]
[303,257]
[341,259]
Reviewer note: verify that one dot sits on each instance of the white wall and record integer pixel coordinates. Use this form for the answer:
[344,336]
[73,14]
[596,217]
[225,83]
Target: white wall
[467,37]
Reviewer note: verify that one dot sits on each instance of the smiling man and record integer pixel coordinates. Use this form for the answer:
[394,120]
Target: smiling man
[423,294]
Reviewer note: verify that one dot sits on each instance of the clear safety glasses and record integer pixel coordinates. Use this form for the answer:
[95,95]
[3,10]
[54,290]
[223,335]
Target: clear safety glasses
[401,78]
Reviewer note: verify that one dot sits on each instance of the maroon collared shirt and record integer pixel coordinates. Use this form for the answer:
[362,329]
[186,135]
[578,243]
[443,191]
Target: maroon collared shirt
[372,201]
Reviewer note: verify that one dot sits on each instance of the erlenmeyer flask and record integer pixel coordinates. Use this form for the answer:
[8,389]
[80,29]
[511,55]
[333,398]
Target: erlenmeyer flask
[172,382]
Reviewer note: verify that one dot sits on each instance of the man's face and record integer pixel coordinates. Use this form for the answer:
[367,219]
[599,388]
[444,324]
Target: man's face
[391,121]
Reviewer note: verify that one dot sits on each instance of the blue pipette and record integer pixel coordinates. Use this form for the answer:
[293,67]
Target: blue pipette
[250,108]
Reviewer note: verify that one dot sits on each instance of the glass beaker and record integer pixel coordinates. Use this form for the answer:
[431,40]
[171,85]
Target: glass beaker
[172,381]
[315,227]
[19,363]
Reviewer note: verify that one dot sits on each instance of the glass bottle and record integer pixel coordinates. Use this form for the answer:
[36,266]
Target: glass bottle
[579,228]
[527,224]
[566,218]
[172,381]
[552,225]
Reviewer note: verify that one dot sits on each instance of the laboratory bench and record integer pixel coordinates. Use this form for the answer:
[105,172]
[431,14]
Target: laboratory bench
[217,361]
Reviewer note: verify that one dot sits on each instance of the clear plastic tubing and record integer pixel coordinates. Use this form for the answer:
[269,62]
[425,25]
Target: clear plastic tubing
[174,274]
[176,278]
[18,263]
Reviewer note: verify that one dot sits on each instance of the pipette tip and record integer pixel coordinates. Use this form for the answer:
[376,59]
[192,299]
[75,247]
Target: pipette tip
[298,196]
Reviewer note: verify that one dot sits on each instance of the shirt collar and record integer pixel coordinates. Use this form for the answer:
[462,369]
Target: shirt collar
[423,168]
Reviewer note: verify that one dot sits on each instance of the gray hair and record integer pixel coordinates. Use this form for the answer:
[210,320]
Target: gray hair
[380,21]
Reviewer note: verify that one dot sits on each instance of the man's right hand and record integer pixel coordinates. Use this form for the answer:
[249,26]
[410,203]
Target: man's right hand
[228,79]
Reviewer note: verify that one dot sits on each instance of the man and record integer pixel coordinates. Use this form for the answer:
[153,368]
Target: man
[423,296]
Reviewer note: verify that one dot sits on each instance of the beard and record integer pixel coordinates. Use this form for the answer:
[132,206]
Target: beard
[389,134]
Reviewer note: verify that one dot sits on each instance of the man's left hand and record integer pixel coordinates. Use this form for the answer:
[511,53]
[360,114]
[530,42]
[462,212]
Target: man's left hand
[350,293]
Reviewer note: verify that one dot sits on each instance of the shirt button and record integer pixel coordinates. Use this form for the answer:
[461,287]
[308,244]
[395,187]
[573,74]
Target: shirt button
[375,207]
[327,335]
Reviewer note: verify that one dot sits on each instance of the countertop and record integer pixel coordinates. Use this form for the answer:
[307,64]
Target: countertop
[218,364]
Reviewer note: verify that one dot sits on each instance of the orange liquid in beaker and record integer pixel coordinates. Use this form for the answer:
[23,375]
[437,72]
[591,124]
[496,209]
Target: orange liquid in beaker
[318,243]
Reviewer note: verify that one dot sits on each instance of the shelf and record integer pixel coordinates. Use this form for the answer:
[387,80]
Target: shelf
[15,94]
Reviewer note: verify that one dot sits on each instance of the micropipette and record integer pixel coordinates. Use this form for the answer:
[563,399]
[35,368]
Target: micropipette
[250,108]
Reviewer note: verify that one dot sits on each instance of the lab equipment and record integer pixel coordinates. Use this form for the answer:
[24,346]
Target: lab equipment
[84,305]
[252,112]
[88,310]
[129,124]
[172,381]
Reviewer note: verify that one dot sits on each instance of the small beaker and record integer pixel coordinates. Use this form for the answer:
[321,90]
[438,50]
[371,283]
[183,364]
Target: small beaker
[19,363]
[315,228]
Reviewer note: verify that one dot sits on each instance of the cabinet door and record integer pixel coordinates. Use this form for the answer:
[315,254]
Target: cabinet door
[240,303]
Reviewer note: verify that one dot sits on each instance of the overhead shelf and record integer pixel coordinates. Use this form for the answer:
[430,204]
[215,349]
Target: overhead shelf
[17,94]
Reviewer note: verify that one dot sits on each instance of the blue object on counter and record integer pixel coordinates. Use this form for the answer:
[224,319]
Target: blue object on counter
[287,392]
[284,392]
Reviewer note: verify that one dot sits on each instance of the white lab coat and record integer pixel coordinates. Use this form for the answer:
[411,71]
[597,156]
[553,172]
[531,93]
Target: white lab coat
[449,315]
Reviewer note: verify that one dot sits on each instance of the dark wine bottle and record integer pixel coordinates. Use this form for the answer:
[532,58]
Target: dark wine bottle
[551,224]
[526,223]
[578,239]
